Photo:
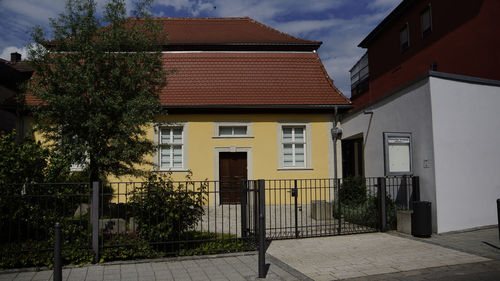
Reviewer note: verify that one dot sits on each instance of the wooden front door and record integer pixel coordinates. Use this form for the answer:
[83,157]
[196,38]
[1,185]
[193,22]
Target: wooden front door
[232,171]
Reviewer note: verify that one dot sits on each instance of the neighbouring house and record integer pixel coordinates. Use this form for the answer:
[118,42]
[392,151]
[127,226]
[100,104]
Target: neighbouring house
[426,96]
[13,74]
[246,101]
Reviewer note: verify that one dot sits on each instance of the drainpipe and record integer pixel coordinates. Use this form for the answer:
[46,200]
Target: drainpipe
[336,134]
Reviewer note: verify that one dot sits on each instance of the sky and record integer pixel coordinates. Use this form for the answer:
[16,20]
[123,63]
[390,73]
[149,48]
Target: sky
[340,24]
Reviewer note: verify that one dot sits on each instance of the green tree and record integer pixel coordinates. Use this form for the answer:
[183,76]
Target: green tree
[27,161]
[97,81]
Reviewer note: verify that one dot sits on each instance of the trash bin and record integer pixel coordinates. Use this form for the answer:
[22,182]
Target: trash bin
[421,219]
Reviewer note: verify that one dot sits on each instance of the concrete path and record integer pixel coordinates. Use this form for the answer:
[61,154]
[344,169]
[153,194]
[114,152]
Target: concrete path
[340,257]
[472,242]
[229,268]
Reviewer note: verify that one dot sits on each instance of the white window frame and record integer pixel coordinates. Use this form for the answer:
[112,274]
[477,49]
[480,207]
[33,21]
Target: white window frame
[157,140]
[306,125]
[219,124]
[398,139]
[78,167]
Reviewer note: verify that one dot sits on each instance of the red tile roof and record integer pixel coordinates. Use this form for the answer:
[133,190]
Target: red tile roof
[225,31]
[236,79]
[211,79]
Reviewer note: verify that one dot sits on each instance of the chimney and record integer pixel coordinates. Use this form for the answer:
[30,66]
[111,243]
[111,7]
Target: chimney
[15,57]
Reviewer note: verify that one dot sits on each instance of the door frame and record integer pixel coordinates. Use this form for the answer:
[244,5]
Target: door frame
[248,150]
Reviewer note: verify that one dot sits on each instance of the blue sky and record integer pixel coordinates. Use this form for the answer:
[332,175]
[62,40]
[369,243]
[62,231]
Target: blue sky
[340,24]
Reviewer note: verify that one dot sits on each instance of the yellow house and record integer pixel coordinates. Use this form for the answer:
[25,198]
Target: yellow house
[245,102]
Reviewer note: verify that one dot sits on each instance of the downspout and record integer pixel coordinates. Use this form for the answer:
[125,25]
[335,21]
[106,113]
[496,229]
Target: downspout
[336,134]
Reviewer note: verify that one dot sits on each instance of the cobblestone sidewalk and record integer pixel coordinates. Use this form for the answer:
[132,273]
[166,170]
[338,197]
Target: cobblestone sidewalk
[341,257]
[239,267]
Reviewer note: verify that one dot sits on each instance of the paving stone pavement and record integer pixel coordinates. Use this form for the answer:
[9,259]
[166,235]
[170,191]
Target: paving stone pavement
[469,241]
[229,268]
[362,255]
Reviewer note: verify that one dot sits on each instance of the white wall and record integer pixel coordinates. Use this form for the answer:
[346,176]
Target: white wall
[408,111]
[466,129]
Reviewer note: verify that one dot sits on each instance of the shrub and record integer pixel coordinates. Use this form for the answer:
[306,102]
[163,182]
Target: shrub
[126,247]
[353,191]
[207,243]
[165,210]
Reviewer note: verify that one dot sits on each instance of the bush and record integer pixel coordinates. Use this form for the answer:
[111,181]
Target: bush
[365,213]
[164,211]
[353,191]
[37,253]
[207,243]
[126,247]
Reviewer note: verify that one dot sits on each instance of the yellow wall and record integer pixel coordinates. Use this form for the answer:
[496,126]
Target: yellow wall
[263,161]
[201,145]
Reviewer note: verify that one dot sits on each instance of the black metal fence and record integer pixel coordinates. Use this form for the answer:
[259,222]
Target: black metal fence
[174,218]
[28,213]
[301,208]
[125,220]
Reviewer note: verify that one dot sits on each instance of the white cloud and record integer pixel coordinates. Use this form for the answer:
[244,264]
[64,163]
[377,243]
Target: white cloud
[306,26]
[384,4]
[5,53]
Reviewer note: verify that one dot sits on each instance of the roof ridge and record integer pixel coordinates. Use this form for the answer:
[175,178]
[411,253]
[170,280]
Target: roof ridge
[246,18]
[192,18]
[280,32]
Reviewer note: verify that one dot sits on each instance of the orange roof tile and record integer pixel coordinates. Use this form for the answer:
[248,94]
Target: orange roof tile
[225,31]
[210,79]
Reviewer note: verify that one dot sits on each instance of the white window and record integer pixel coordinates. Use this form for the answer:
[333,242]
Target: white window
[171,148]
[233,129]
[294,146]
[227,131]
[78,167]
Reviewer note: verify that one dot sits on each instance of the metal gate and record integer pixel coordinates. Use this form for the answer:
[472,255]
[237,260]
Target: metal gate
[299,208]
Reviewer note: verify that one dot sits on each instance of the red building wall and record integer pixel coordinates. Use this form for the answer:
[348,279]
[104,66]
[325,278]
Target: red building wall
[465,40]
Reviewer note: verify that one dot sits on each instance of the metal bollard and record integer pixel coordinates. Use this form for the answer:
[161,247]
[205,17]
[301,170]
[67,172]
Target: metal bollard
[57,253]
[498,216]
[262,229]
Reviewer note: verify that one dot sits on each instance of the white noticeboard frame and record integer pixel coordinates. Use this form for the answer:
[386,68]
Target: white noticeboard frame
[398,156]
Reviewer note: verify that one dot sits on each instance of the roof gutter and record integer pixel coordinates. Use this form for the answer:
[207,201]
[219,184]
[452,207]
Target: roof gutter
[264,106]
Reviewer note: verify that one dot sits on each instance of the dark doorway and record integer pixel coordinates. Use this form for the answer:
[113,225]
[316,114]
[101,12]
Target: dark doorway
[352,157]
[232,171]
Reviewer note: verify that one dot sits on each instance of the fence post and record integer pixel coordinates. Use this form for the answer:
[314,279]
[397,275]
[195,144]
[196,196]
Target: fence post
[95,220]
[262,229]
[381,204]
[498,216]
[415,184]
[295,194]
[57,253]
[337,186]
[244,209]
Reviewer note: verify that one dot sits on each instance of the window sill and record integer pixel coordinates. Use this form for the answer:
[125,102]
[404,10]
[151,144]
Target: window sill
[232,137]
[176,170]
[295,169]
